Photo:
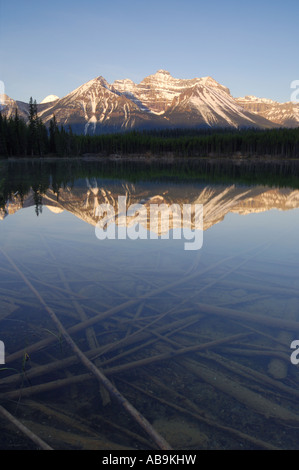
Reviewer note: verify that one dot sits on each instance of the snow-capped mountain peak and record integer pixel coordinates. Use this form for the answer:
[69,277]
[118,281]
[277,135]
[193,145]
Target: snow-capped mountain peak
[162,75]
[206,103]
[255,99]
[49,99]
[158,101]
[283,114]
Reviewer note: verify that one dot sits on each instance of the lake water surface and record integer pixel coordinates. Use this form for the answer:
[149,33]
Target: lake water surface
[198,340]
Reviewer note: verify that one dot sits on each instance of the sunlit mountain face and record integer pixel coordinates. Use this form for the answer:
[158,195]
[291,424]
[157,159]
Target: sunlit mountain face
[159,101]
[284,114]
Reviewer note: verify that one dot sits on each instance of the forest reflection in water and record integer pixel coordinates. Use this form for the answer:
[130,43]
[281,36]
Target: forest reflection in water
[198,342]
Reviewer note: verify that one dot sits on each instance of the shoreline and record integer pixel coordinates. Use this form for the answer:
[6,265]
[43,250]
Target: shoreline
[167,158]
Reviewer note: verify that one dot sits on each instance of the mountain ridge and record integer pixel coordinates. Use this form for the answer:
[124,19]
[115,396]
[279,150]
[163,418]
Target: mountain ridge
[158,101]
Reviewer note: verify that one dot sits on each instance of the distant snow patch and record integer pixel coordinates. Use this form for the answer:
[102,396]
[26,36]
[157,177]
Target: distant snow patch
[49,99]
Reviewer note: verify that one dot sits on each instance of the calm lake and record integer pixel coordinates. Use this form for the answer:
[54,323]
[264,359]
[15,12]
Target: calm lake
[198,340]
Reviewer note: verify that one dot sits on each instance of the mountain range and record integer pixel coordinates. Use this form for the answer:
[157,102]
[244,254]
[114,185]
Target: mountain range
[159,101]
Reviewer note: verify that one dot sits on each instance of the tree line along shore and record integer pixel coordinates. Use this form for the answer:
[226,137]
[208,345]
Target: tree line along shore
[33,138]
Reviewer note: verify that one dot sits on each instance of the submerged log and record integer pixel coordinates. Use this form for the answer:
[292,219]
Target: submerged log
[159,440]
[63,439]
[260,287]
[28,391]
[234,389]
[24,429]
[271,322]
[197,415]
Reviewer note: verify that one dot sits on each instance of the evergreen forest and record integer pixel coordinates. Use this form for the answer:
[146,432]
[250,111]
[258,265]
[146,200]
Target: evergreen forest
[34,139]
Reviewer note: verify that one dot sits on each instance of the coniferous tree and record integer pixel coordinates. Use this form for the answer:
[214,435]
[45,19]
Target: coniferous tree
[38,135]
[32,130]
[53,135]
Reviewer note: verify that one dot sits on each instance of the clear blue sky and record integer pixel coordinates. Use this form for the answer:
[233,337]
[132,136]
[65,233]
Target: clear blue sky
[52,47]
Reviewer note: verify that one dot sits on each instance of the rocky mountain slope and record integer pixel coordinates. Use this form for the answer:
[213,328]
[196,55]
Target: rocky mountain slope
[96,106]
[158,101]
[284,114]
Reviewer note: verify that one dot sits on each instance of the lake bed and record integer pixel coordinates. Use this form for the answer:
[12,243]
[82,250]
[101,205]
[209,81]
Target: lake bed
[198,341]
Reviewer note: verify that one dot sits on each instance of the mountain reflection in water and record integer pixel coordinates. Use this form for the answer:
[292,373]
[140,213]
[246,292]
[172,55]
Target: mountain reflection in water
[83,198]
